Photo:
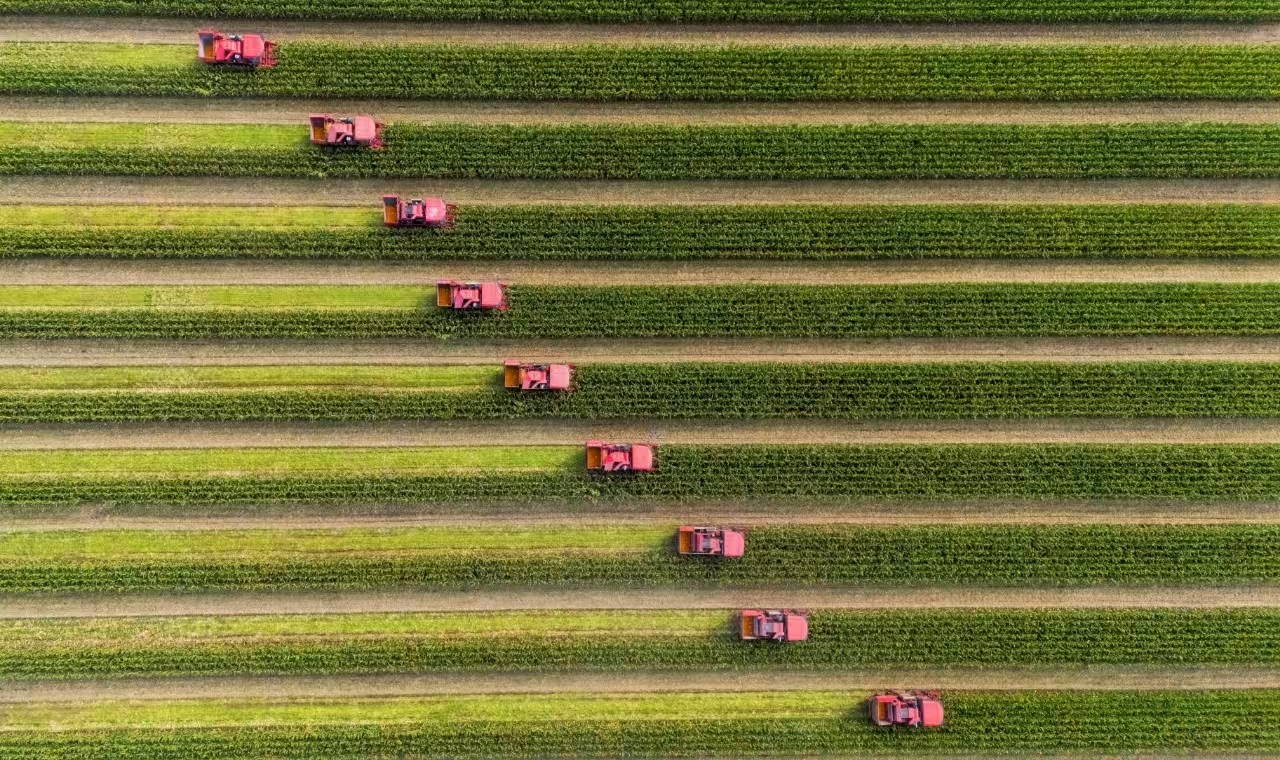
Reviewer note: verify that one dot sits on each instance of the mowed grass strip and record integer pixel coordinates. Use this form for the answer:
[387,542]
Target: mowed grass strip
[337,69]
[591,233]
[616,151]
[621,11]
[609,725]
[622,640]
[691,390]
[603,556]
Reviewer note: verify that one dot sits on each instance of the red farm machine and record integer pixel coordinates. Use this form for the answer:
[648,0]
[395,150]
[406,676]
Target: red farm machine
[248,51]
[619,457]
[471,296]
[419,212]
[773,625]
[912,709]
[522,376]
[351,132]
[710,542]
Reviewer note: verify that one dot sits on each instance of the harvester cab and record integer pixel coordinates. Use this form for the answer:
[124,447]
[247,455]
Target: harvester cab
[419,212]
[774,625]
[352,132]
[711,542]
[913,709]
[619,457]
[536,377]
[471,296]
[249,50]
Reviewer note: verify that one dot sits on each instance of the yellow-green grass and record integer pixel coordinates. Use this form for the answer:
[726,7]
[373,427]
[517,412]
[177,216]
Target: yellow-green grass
[92,55]
[151,135]
[257,297]
[241,217]
[171,378]
[227,545]
[269,461]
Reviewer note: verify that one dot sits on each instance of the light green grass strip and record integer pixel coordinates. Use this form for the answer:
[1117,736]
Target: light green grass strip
[216,296]
[451,709]
[152,136]
[437,377]
[135,462]
[143,545]
[207,628]
[92,55]
[242,217]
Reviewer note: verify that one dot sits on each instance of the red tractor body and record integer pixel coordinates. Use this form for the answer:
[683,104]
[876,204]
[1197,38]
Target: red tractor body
[619,457]
[913,709]
[471,296]
[419,212]
[352,132]
[249,50]
[536,377]
[774,625]
[711,542]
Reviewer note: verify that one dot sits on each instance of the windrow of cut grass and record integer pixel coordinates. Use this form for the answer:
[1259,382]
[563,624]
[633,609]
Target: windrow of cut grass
[619,151]
[620,640]
[546,312]
[601,233]
[629,11]
[793,723]
[656,72]
[603,556]
[653,391]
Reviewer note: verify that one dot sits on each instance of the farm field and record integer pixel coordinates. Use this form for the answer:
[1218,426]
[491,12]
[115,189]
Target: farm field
[961,316]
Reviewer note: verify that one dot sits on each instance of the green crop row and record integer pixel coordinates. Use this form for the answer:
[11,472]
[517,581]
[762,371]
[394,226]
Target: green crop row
[788,723]
[978,310]
[616,151]
[628,640]
[637,555]
[657,72]
[650,233]
[620,391]
[632,11]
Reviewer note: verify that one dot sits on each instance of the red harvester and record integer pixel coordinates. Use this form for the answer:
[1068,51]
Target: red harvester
[419,212]
[353,132]
[536,377]
[913,709]
[471,296]
[619,457]
[774,625]
[711,542]
[248,50]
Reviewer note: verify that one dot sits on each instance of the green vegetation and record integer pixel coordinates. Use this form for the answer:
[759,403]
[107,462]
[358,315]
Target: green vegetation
[615,151]
[611,725]
[388,311]
[603,556]
[543,232]
[629,11]
[628,640]
[654,391]
[657,72]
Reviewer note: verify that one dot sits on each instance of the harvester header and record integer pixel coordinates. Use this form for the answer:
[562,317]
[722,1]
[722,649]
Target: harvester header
[249,51]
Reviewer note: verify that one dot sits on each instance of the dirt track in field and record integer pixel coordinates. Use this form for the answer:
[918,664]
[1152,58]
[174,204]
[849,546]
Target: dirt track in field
[573,433]
[1101,597]
[396,685]
[486,112]
[267,192]
[267,272]
[181,32]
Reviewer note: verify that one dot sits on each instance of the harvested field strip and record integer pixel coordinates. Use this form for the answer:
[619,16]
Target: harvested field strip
[619,11]
[655,152]
[636,556]
[619,233]
[708,724]
[970,390]
[658,72]
[551,312]
[627,640]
